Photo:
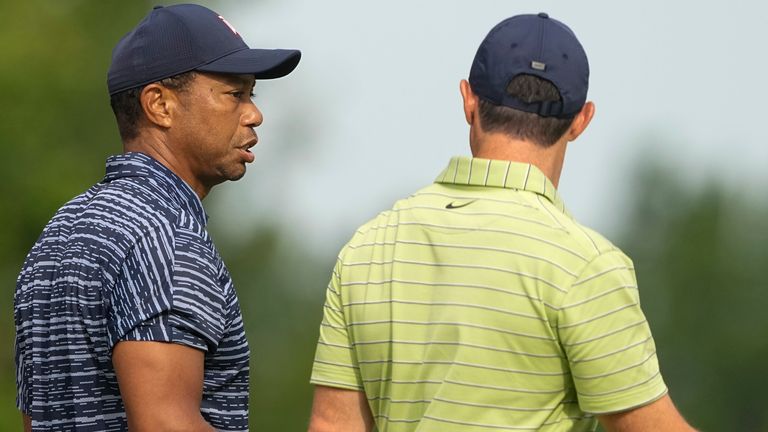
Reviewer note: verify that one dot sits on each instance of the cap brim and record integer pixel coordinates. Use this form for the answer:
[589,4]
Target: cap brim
[263,63]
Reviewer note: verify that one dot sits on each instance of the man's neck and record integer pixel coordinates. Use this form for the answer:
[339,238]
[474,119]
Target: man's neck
[501,147]
[156,147]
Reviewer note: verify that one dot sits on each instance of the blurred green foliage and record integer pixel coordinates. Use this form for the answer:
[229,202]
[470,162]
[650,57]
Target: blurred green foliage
[700,257]
[56,129]
[699,254]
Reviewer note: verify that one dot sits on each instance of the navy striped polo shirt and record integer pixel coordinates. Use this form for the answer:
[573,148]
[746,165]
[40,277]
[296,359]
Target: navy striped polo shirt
[129,259]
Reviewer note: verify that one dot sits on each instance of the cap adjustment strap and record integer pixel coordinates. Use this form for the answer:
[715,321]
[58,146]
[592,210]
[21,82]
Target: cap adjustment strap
[550,108]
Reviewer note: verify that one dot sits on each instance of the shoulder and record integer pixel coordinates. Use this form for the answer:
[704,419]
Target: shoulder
[592,242]
[377,234]
[140,205]
[605,269]
[112,219]
[584,241]
[369,236]
[597,246]
[145,198]
[375,231]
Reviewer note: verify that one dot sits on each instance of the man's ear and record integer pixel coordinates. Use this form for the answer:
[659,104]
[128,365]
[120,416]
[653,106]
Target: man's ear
[471,101]
[581,121]
[158,102]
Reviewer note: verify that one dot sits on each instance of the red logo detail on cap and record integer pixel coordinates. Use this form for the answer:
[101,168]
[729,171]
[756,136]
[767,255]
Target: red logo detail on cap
[229,25]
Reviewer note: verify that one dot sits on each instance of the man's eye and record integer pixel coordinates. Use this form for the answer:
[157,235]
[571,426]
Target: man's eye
[240,94]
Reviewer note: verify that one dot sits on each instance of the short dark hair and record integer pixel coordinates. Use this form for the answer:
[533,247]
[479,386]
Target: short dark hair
[127,106]
[544,131]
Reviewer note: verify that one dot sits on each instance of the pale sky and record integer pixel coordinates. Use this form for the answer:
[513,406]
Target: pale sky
[373,111]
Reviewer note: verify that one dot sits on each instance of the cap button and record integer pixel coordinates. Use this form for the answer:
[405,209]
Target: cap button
[543,15]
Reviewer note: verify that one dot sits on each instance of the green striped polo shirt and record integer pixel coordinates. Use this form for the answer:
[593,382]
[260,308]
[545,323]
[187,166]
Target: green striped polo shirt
[479,304]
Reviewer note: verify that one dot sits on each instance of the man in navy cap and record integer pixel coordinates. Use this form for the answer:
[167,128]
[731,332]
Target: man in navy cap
[479,303]
[126,317]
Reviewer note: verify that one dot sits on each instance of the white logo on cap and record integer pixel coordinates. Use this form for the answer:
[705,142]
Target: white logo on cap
[229,25]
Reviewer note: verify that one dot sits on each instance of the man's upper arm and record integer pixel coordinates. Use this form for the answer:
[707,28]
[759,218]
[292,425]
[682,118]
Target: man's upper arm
[168,291]
[607,340]
[27,422]
[167,311]
[335,362]
[161,385]
[660,415]
[611,352]
[336,409]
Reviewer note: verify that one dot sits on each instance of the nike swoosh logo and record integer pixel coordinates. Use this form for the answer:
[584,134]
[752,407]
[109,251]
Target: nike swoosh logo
[451,205]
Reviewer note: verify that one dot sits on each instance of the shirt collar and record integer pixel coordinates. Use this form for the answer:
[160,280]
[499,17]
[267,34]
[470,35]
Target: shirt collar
[140,165]
[467,171]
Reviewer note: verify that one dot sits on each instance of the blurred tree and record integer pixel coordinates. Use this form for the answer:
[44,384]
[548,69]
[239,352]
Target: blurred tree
[56,129]
[700,257]
[699,254]
[281,289]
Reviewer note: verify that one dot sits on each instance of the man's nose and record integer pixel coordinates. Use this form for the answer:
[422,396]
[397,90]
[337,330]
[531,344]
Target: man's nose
[252,117]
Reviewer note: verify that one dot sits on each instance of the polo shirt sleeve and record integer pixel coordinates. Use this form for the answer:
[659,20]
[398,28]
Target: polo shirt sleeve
[335,362]
[169,290]
[607,339]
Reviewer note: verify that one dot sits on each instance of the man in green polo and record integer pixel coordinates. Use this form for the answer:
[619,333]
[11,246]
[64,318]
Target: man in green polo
[478,303]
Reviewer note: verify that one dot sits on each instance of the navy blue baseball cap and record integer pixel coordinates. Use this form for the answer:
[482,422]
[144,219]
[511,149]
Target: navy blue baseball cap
[535,45]
[180,38]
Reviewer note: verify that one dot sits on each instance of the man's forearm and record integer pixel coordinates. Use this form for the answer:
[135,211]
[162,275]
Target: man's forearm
[27,422]
[170,423]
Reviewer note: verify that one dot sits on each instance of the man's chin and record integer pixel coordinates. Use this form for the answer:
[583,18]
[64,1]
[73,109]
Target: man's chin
[237,175]
[234,174]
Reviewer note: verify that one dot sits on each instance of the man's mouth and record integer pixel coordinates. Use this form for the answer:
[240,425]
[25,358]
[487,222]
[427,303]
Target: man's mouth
[245,148]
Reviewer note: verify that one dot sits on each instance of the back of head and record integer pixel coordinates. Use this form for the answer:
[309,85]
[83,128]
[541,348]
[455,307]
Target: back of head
[531,75]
